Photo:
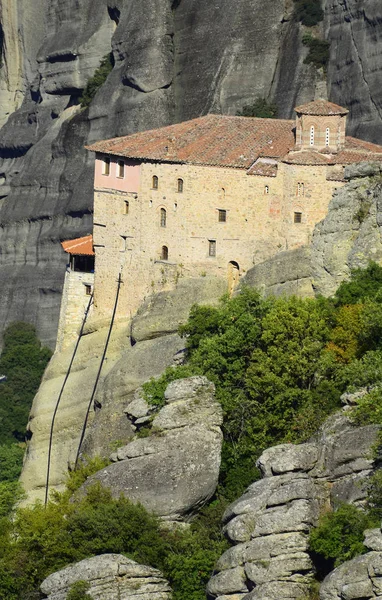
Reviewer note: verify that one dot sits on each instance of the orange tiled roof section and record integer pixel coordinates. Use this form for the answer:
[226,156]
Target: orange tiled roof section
[82,245]
[321,108]
[215,140]
[353,151]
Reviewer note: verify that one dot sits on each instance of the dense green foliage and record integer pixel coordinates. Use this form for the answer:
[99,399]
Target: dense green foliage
[260,108]
[364,283]
[308,12]
[97,80]
[319,51]
[279,367]
[23,361]
[274,376]
[42,540]
[339,535]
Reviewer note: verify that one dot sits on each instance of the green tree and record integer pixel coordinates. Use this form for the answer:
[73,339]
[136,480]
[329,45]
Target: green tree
[319,51]
[97,80]
[339,535]
[363,283]
[308,12]
[23,361]
[260,108]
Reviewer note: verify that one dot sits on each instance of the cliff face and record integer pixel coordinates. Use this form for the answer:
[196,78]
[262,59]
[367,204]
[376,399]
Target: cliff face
[174,60]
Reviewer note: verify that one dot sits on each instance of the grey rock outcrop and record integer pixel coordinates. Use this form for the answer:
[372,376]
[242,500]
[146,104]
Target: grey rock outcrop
[174,470]
[270,523]
[163,313]
[357,578]
[129,363]
[348,238]
[110,576]
[172,61]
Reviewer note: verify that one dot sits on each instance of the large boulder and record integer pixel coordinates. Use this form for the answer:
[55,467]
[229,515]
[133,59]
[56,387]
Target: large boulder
[162,313]
[174,470]
[269,525]
[111,577]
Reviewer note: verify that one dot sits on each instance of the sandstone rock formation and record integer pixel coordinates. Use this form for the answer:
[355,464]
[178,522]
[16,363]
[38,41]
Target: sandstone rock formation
[172,61]
[129,363]
[110,576]
[357,578]
[270,523]
[348,238]
[174,470]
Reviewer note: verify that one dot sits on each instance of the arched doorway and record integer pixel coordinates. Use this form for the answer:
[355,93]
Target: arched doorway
[233,276]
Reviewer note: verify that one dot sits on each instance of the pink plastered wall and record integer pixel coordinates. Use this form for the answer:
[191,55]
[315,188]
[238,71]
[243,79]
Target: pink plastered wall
[129,183]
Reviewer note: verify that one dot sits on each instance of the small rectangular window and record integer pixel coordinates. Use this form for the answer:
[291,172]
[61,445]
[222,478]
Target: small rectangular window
[297,218]
[106,166]
[126,207]
[121,169]
[222,216]
[88,290]
[211,247]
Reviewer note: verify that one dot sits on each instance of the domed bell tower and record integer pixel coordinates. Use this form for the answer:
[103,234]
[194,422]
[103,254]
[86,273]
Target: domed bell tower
[320,126]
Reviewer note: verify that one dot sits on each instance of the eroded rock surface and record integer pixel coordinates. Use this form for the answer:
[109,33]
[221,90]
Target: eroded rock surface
[111,576]
[174,470]
[270,523]
[129,363]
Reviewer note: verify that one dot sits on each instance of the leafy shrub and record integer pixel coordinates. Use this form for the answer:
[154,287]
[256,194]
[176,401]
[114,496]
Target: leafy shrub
[78,591]
[374,494]
[87,467]
[23,361]
[369,408]
[97,80]
[260,108]
[11,462]
[364,283]
[40,540]
[339,535]
[319,51]
[308,12]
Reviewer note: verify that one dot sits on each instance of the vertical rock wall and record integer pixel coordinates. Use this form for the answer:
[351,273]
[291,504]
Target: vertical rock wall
[174,60]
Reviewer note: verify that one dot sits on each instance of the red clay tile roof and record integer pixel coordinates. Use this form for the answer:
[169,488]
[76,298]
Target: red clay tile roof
[321,108]
[214,140]
[362,144]
[263,169]
[307,157]
[82,245]
[354,151]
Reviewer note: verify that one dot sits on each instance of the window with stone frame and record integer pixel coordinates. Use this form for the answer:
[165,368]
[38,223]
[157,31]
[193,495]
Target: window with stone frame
[155,182]
[222,215]
[180,186]
[163,217]
[211,247]
[121,169]
[297,217]
[106,166]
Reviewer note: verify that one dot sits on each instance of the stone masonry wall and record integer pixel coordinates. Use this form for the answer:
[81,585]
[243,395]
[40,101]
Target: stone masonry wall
[74,302]
[259,224]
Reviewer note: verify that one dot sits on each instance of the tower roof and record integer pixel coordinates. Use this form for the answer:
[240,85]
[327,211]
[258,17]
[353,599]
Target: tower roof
[321,108]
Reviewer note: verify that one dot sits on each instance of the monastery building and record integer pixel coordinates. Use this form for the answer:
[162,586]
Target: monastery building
[211,196]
